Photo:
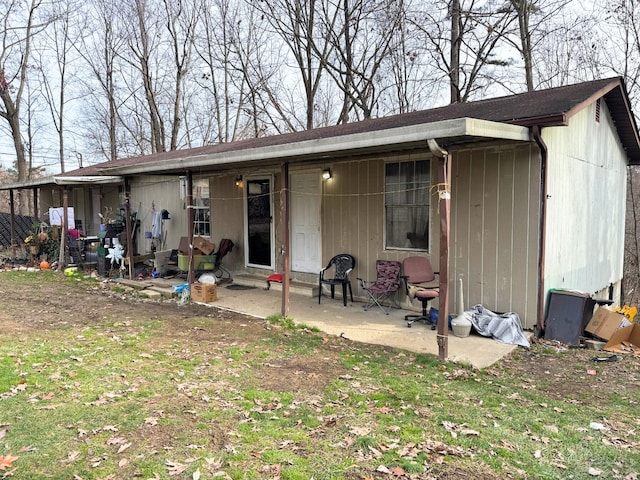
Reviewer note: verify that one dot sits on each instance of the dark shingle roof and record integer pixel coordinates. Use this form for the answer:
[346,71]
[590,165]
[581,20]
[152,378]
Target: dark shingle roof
[550,107]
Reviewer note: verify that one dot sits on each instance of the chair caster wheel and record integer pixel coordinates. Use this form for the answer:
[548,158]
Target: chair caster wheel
[433,327]
[408,325]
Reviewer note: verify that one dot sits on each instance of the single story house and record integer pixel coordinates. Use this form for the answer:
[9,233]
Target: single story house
[536,184]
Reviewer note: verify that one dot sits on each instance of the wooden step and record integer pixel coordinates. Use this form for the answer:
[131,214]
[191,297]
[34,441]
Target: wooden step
[299,288]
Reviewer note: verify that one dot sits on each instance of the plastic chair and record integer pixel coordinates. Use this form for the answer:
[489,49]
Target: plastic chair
[342,265]
[385,287]
[417,274]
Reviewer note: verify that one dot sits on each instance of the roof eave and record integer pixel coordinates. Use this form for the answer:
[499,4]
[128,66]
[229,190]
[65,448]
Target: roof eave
[34,183]
[92,179]
[366,142]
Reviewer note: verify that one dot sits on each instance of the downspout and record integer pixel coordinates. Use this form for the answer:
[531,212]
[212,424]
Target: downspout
[543,225]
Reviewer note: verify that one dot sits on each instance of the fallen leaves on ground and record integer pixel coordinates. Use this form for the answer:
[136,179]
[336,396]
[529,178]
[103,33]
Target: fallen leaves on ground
[175,468]
[7,460]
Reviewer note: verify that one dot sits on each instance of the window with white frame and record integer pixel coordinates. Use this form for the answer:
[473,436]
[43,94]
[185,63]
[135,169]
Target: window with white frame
[201,211]
[406,204]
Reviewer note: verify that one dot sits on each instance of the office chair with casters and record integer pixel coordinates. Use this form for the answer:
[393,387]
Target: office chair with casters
[419,279]
[342,265]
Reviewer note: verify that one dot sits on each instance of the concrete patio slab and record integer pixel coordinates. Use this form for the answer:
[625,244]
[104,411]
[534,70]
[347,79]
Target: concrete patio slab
[354,323]
[351,322]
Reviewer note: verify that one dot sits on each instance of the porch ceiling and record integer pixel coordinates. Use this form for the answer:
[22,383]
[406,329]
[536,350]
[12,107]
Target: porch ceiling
[446,132]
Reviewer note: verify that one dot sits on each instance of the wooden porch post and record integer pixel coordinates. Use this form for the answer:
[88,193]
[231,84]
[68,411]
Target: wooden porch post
[444,199]
[36,213]
[284,214]
[12,206]
[127,223]
[62,258]
[190,217]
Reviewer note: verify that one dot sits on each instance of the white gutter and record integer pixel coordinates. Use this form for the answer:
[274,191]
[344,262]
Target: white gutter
[458,127]
[96,179]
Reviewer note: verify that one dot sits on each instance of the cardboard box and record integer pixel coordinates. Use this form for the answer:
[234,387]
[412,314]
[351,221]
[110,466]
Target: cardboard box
[204,245]
[204,292]
[605,322]
[625,340]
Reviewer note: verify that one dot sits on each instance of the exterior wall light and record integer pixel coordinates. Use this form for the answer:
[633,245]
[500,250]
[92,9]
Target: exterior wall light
[326,174]
[239,181]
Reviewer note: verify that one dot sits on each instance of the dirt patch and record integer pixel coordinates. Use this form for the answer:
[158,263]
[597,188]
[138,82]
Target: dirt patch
[557,370]
[210,335]
[575,374]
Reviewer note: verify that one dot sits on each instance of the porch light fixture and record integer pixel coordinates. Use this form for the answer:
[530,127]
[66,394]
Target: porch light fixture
[239,181]
[326,174]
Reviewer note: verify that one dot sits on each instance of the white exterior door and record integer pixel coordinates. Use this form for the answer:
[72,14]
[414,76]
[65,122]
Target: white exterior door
[305,222]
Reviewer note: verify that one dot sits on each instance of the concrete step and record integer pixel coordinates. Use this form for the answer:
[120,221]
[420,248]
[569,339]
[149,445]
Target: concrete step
[299,288]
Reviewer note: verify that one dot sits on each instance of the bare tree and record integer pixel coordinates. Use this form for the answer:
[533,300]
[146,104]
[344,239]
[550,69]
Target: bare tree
[534,20]
[261,63]
[361,35]
[222,87]
[15,55]
[101,46]
[619,44]
[631,280]
[59,41]
[181,22]
[297,23]
[467,53]
[571,52]
[143,44]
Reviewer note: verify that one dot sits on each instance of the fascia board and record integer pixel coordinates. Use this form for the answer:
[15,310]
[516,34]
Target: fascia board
[325,147]
[92,179]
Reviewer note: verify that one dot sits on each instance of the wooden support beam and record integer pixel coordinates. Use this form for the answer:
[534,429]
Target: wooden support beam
[190,217]
[12,206]
[284,218]
[444,204]
[128,226]
[444,193]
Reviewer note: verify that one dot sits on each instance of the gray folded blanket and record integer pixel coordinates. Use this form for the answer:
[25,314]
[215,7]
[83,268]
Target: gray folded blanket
[505,328]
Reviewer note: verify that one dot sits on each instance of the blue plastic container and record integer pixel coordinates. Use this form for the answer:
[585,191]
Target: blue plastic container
[433,316]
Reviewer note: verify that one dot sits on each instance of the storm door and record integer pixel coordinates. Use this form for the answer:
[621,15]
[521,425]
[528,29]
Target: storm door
[259,221]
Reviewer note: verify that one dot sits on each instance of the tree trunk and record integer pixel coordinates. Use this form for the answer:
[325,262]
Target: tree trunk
[456,40]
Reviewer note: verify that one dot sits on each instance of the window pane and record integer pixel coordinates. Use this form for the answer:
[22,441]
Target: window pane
[407,187]
[201,214]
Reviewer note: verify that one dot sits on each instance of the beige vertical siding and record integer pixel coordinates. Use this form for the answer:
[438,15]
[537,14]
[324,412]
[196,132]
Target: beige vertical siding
[164,193]
[227,217]
[494,229]
[494,222]
[352,219]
